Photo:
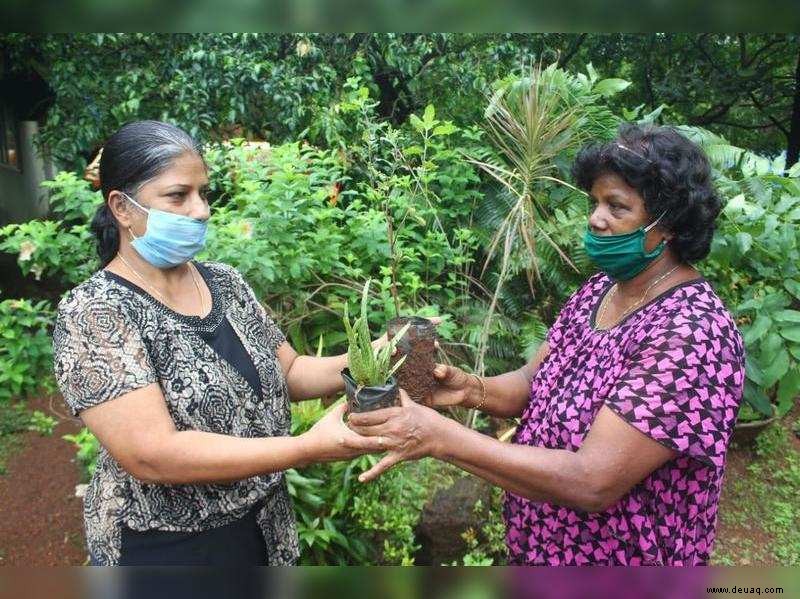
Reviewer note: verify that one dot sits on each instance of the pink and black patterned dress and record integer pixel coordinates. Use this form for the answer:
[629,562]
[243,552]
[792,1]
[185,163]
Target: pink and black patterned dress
[674,370]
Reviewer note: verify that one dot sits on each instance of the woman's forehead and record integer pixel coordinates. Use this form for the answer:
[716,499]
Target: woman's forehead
[608,184]
[188,169]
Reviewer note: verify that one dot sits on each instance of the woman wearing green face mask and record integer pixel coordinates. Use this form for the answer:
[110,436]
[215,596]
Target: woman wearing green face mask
[627,408]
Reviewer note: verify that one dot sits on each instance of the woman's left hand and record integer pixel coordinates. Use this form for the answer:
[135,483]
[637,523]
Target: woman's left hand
[410,431]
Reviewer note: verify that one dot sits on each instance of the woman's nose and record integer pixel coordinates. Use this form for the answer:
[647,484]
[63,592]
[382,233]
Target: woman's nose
[596,221]
[200,209]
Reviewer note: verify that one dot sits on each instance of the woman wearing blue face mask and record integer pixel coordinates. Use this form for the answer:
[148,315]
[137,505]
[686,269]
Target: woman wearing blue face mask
[183,377]
[626,410]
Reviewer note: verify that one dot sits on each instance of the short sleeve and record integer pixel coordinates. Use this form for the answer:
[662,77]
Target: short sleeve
[98,353]
[683,387]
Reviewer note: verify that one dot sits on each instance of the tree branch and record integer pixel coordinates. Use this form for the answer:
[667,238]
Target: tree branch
[576,44]
[763,111]
[762,49]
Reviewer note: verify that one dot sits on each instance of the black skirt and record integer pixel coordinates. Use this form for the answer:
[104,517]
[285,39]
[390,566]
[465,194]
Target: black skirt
[239,543]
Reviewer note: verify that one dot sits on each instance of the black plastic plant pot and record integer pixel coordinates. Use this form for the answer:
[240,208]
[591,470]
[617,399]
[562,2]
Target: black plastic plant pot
[369,398]
[418,346]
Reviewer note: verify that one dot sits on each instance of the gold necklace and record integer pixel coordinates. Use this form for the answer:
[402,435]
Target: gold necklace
[607,299]
[158,293]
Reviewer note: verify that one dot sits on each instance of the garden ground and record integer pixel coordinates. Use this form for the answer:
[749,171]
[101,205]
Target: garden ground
[41,519]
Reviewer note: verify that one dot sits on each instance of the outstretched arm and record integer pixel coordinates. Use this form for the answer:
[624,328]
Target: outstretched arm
[613,458]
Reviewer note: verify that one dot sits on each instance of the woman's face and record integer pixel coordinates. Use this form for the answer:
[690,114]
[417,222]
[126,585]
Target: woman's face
[617,208]
[181,189]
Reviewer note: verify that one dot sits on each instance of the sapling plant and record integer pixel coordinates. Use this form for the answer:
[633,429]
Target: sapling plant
[368,378]
[369,367]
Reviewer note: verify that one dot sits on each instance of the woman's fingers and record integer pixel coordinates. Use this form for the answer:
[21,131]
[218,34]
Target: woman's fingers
[441,372]
[375,444]
[391,459]
[373,418]
[405,400]
[372,431]
[339,409]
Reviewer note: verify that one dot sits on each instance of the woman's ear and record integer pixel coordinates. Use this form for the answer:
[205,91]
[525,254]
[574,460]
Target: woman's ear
[120,208]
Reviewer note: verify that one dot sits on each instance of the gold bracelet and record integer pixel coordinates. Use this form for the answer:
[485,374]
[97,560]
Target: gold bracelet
[483,392]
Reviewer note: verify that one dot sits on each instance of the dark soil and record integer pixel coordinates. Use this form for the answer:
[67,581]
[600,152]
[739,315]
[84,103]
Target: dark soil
[41,520]
[418,346]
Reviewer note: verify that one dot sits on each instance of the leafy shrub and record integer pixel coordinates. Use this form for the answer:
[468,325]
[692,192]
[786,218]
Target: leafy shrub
[61,247]
[42,423]
[755,267]
[341,521]
[88,448]
[26,348]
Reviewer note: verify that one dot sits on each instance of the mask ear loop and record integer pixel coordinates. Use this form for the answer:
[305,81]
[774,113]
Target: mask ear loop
[138,205]
[654,223]
[647,229]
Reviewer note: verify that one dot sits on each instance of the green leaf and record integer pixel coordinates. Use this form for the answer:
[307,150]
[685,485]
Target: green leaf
[791,333]
[792,287]
[757,399]
[794,214]
[609,87]
[428,116]
[736,205]
[756,330]
[788,390]
[771,344]
[416,123]
[778,367]
[445,129]
[593,76]
[744,242]
[786,316]
[753,370]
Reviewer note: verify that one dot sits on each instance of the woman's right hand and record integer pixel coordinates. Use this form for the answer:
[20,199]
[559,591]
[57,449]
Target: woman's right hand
[330,439]
[455,388]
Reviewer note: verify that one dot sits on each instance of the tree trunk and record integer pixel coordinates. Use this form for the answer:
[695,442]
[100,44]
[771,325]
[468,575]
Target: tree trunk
[793,149]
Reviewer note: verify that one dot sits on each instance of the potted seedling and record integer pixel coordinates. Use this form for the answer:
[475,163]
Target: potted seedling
[369,382]
[416,355]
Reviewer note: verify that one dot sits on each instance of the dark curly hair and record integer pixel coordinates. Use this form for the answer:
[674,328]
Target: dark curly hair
[671,174]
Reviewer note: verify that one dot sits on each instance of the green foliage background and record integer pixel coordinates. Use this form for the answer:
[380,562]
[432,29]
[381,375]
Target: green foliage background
[366,129]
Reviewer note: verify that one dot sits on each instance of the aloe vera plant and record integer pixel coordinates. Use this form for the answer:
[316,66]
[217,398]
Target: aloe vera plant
[369,367]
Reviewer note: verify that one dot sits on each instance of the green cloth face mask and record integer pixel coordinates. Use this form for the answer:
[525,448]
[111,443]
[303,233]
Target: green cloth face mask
[622,257]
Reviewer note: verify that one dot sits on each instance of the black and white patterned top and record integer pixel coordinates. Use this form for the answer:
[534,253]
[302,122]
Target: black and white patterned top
[110,340]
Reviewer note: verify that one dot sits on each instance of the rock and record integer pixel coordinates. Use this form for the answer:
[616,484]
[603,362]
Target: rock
[449,513]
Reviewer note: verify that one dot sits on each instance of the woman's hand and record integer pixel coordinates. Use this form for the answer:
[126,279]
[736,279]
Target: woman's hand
[330,440]
[455,388]
[410,432]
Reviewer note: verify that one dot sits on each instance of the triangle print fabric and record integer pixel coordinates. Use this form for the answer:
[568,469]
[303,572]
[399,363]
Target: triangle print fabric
[674,370]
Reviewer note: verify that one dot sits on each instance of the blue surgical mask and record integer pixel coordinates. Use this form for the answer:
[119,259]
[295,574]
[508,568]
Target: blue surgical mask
[169,239]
